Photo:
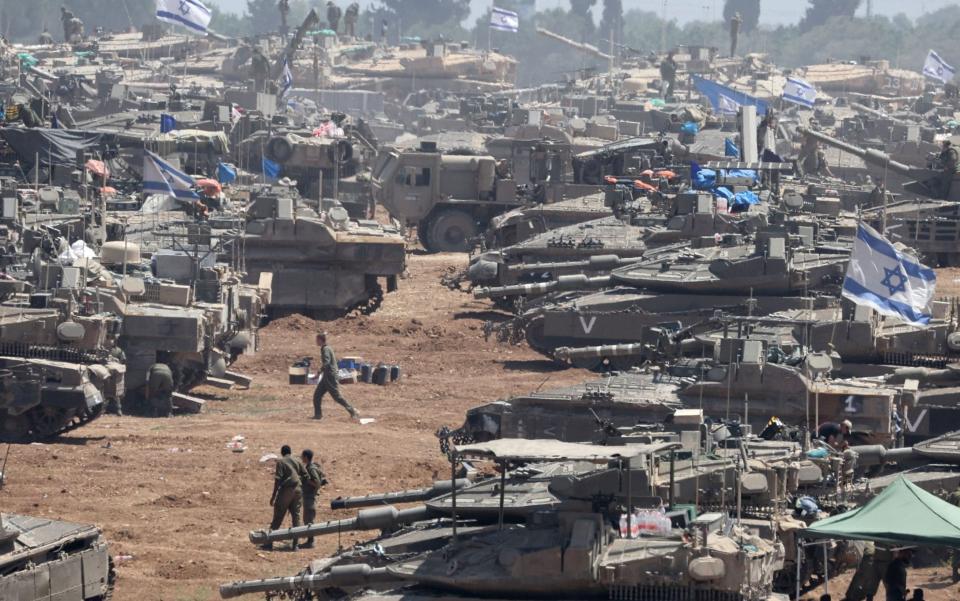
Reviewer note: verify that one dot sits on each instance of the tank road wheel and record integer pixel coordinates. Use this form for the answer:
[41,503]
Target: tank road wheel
[46,422]
[451,231]
[14,428]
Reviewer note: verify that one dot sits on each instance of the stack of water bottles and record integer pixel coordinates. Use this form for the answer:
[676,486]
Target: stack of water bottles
[644,521]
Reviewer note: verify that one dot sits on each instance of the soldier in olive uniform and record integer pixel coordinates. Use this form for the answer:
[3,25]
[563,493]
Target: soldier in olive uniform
[287,492]
[328,381]
[350,19]
[311,487]
[949,163]
[668,74]
[333,16]
[954,498]
[735,24]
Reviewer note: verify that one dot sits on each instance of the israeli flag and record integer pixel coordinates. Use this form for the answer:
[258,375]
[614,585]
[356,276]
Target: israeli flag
[504,20]
[799,92]
[191,14]
[160,177]
[285,84]
[727,105]
[936,68]
[890,282]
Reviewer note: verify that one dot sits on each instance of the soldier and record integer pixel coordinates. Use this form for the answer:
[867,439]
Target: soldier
[333,16]
[159,389]
[949,161]
[835,434]
[45,38]
[287,492]
[66,16]
[350,19]
[895,578]
[866,580]
[259,68]
[328,381]
[735,24]
[284,7]
[954,498]
[668,73]
[311,487]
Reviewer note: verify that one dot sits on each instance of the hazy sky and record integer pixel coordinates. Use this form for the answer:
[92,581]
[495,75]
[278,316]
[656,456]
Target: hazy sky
[773,12]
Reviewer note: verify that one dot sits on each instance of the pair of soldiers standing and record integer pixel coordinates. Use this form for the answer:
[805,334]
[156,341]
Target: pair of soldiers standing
[295,486]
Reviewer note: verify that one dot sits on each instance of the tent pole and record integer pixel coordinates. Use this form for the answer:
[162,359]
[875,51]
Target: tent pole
[826,568]
[799,560]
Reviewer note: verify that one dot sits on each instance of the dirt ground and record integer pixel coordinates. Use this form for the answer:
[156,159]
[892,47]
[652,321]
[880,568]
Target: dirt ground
[171,496]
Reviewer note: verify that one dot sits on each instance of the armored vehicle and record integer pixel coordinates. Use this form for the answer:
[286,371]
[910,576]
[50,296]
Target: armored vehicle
[56,371]
[448,197]
[321,264]
[532,514]
[923,181]
[42,559]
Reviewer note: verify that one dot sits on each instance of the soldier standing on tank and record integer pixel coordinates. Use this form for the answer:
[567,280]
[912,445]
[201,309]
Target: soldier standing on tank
[735,24]
[259,68]
[284,7]
[668,73]
[350,19]
[949,161]
[333,16]
[328,381]
[311,487]
[287,492]
[66,15]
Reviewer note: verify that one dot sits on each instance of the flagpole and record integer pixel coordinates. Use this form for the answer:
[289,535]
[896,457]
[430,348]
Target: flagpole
[489,30]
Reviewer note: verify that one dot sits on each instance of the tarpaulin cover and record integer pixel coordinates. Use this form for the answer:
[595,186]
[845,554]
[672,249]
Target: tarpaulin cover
[730,148]
[903,513]
[97,168]
[53,146]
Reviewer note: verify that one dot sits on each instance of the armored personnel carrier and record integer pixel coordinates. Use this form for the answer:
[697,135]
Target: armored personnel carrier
[43,559]
[321,264]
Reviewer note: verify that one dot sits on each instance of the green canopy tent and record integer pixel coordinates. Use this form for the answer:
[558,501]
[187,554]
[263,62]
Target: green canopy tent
[903,514]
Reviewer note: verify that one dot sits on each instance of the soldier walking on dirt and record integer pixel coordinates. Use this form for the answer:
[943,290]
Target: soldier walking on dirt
[287,492]
[311,487]
[328,381]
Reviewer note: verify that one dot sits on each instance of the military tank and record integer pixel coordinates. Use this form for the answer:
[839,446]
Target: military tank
[670,288]
[43,559]
[321,264]
[56,371]
[533,512]
[597,246]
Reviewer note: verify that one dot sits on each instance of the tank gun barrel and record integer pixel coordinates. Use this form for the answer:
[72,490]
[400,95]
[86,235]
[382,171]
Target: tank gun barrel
[566,353]
[440,487]
[588,48]
[869,155]
[595,263]
[875,454]
[377,518]
[866,110]
[338,576]
[564,282]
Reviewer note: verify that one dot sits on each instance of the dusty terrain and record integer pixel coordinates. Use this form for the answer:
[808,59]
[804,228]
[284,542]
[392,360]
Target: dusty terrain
[169,494]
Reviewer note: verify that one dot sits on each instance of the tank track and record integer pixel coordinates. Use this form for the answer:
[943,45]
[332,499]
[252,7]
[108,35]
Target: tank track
[36,435]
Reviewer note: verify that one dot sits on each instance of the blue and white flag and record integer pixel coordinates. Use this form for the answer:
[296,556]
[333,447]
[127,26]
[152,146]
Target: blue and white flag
[191,14]
[799,92]
[725,100]
[889,281]
[168,123]
[160,177]
[271,170]
[285,83]
[504,20]
[936,68]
